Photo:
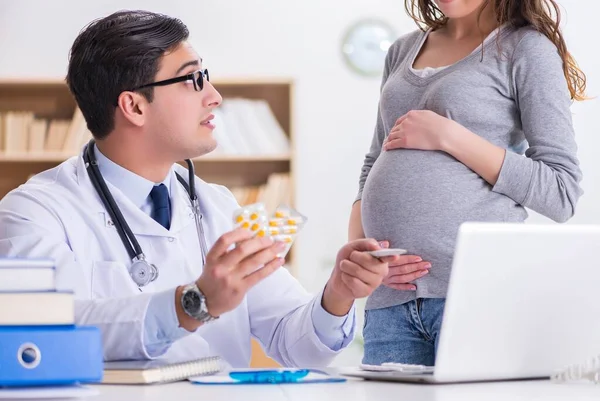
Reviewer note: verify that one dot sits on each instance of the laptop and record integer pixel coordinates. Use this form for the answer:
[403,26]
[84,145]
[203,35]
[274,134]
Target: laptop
[523,303]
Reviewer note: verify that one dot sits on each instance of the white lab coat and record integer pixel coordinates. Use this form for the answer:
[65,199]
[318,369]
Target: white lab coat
[58,214]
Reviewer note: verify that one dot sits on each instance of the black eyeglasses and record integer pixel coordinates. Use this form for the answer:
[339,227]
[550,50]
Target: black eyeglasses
[197,77]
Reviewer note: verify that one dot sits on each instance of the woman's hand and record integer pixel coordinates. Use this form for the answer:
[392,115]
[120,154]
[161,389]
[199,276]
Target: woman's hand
[420,129]
[405,270]
[426,130]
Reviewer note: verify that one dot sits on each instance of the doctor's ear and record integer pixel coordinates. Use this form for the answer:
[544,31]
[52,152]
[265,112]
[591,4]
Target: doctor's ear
[133,106]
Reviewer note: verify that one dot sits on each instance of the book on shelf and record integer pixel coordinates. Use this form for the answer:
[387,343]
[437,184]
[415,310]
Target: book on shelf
[248,127]
[21,132]
[276,191]
[244,127]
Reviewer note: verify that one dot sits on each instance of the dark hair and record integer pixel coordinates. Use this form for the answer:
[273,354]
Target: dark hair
[118,53]
[542,15]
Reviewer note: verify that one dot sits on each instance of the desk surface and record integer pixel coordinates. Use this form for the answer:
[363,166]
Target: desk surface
[355,389]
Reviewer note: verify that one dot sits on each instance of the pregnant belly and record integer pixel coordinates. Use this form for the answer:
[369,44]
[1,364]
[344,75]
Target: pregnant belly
[418,199]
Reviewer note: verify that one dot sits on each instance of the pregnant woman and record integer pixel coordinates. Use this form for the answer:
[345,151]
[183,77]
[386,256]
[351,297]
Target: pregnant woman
[481,77]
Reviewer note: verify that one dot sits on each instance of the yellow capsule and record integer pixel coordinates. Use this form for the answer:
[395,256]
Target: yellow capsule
[290,230]
[239,219]
[274,231]
[276,222]
[261,233]
[279,214]
[283,238]
[255,227]
[246,224]
[254,216]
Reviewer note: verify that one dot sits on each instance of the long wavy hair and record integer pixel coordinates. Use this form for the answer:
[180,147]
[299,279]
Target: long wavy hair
[542,15]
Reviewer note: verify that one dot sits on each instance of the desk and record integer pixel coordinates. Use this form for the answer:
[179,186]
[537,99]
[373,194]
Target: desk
[355,390]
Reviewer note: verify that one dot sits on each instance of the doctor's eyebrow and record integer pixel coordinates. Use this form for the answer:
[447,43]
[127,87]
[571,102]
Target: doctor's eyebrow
[188,64]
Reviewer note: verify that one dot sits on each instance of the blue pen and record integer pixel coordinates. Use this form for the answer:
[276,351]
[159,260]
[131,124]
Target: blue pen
[270,376]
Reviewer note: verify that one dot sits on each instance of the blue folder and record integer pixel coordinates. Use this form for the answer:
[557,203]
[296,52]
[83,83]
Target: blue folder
[50,355]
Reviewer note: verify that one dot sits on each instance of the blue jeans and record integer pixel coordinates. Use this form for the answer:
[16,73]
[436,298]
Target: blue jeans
[406,333]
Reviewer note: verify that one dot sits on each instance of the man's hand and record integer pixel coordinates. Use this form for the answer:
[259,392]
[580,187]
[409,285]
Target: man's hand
[230,273]
[356,275]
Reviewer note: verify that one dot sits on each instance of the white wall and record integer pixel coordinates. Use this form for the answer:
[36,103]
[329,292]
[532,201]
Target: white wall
[335,109]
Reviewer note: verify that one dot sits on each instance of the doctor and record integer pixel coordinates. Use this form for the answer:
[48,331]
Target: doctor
[159,276]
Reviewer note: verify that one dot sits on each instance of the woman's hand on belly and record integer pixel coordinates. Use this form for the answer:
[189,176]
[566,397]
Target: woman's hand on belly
[419,129]
[427,130]
[404,271]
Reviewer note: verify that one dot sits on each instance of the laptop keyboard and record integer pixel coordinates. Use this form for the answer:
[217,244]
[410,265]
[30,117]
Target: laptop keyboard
[397,367]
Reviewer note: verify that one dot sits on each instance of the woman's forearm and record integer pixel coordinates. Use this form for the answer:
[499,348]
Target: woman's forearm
[481,156]
[355,228]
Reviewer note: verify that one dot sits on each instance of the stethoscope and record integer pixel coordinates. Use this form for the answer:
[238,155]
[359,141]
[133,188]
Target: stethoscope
[142,272]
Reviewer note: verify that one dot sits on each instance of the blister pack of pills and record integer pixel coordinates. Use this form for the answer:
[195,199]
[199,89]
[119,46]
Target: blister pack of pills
[283,225]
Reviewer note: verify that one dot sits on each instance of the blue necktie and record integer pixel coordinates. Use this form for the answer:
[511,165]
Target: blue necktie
[162,206]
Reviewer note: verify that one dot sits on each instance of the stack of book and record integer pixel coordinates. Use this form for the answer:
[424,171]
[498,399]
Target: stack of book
[40,345]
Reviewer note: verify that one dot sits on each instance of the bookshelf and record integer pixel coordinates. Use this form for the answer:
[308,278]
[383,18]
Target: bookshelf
[250,173]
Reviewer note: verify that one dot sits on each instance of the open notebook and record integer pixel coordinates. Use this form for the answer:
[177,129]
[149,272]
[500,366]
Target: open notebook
[158,370]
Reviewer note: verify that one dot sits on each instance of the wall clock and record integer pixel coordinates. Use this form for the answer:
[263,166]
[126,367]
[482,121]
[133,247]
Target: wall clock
[365,45]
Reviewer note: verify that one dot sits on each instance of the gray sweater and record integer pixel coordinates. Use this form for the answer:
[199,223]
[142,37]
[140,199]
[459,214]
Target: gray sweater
[418,199]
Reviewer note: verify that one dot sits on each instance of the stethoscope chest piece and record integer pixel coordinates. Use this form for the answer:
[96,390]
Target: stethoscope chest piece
[143,273]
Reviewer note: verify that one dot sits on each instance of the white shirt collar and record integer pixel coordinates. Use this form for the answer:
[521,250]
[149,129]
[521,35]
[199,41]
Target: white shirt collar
[133,186]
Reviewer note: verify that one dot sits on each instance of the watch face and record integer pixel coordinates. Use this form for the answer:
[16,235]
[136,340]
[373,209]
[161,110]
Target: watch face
[192,302]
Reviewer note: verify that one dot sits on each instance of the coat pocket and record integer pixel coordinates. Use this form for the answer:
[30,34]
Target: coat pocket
[111,280]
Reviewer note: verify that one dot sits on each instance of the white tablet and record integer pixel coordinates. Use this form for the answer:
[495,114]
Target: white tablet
[387,252]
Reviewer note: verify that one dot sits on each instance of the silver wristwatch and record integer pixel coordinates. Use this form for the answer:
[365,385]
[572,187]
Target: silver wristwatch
[193,302]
